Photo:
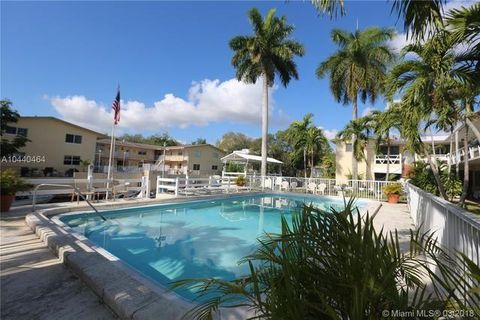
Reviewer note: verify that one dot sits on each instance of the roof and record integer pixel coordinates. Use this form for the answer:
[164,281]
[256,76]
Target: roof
[63,121]
[244,157]
[153,146]
[130,144]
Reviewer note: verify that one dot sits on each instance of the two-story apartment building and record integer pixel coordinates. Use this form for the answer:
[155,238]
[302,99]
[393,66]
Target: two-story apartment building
[194,159]
[374,166]
[126,154]
[55,147]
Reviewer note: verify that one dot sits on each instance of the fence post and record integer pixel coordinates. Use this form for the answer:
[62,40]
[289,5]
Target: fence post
[176,187]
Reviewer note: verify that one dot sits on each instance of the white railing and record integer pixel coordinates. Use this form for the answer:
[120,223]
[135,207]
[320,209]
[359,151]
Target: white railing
[459,156]
[90,184]
[455,228]
[192,185]
[392,159]
[366,189]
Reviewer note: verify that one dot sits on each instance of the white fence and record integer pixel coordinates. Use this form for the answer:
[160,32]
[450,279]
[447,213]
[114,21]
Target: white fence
[89,184]
[366,189]
[191,185]
[455,228]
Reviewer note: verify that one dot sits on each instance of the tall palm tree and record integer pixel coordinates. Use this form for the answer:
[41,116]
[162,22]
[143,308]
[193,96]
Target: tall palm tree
[269,52]
[360,128]
[429,84]
[315,139]
[297,137]
[382,123]
[357,70]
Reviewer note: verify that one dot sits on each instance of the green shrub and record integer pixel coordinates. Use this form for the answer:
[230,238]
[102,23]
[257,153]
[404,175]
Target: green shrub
[393,188]
[240,181]
[422,177]
[11,182]
[335,265]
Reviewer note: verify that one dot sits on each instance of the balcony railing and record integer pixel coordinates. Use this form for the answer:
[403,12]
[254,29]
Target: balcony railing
[392,159]
[458,157]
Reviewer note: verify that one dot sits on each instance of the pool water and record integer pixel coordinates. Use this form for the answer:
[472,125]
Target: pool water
[195,239]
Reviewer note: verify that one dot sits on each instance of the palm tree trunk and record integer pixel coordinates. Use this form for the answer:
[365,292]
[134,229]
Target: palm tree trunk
[311,165]
[450,153]
[433,142]
[263,170]
[436,175]
[388,157]
[354,138]
[466,169]
[472,127]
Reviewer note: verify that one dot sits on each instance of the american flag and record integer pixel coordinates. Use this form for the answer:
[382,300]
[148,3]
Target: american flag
[116,108]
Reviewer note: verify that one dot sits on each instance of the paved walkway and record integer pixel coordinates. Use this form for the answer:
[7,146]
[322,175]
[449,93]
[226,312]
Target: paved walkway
[34,282]
[395,216]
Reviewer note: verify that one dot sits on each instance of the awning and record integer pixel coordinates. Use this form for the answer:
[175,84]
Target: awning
[244,158]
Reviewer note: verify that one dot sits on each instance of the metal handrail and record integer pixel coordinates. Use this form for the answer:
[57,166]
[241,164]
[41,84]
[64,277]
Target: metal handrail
[64,185]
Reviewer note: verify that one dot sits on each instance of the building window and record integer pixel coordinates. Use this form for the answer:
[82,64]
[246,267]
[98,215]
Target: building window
[348,147]
[214,167]
[71,160]
[180,153]
[196,167]
[142,153]
[72,138]
[14,130]
[197,154]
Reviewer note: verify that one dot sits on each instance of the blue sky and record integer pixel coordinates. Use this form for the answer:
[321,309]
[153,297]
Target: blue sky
[66,58]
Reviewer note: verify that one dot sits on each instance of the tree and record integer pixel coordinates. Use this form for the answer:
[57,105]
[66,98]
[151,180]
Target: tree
[360,129]
[315,140]
[269,52]
[158,139]
[232,141]
[429,84]
[297,137]
[8,116]
[200,141]
[382,123]
[358,69]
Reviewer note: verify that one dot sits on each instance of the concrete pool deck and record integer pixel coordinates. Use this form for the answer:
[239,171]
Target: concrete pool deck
[83,297]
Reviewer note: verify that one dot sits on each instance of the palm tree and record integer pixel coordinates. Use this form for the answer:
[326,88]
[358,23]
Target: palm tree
[315,139]
[297,137]
[360,128]
[382,123]
[429,85]
[464,27]
[358,68]
[420,18]
[269,52]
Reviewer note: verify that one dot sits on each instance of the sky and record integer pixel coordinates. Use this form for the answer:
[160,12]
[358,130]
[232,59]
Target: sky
[172,62]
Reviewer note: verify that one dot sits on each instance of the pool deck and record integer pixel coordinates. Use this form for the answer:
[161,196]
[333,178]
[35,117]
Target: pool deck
[35,284]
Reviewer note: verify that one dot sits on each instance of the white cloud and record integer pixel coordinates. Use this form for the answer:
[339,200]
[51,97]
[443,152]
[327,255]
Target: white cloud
[399,41]
[329,133]
[209,101]
[367,111]
[457,4]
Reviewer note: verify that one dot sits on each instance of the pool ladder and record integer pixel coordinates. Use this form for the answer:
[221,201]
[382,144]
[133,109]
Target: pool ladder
[64,185]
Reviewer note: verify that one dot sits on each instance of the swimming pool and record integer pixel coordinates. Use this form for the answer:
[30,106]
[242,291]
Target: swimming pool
[192,239]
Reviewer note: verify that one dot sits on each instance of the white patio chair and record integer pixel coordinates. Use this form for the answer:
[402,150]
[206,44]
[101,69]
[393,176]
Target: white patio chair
[312,187]
[321,188]
[267,183]
[284,186]
[293,185]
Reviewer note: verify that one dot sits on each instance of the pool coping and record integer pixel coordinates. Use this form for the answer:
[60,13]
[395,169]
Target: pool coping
[128,293]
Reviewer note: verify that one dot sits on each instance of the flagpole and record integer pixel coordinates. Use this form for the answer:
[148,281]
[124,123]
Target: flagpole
[109,172]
